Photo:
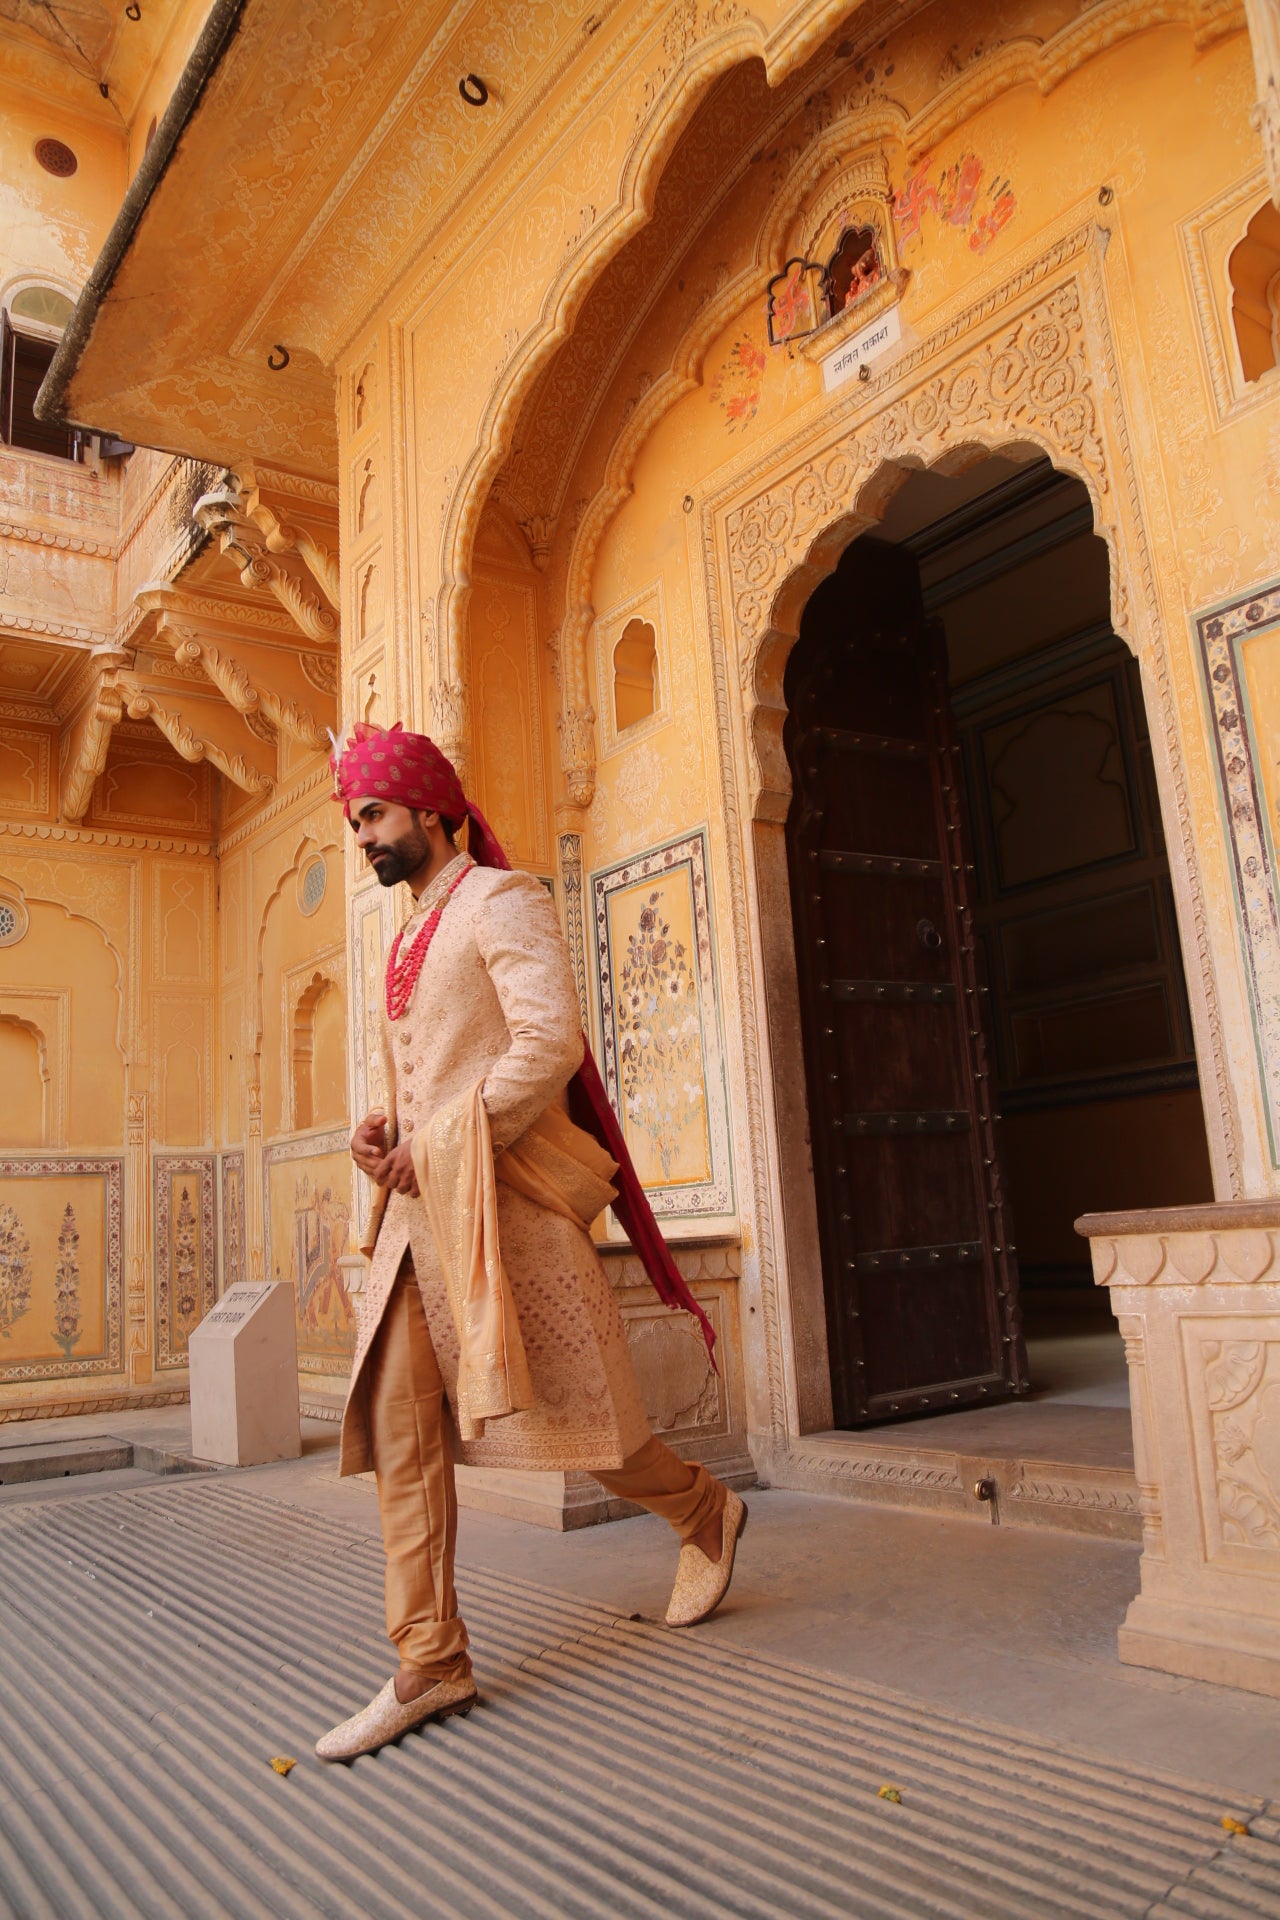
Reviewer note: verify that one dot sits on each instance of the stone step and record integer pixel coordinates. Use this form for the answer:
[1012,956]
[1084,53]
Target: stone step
[61,1459]
[25,1460]
[1064,1467]
[76,1487]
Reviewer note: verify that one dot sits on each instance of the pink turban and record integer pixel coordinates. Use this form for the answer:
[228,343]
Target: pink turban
[408,770]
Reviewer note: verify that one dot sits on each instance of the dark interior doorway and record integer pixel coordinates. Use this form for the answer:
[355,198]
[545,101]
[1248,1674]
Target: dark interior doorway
[978,615]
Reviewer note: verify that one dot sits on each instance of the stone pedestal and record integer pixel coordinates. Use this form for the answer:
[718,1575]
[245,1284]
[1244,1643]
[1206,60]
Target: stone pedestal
[1196,1292]
[244,1378]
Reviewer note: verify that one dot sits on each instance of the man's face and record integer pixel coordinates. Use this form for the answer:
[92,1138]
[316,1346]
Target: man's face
[393,839]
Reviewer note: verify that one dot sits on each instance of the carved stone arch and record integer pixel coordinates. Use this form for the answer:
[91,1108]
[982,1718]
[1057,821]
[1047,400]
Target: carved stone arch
[305,847]
[1031,365]
[299,1039]
[694,72]
[762,665]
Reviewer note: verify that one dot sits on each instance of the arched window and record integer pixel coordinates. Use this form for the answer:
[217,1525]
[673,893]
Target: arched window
[635,675]
[1254,268]
[45,305]
[29,333]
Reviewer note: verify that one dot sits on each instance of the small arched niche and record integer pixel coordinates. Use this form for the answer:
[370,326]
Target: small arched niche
[1254,268]
[855,268]
[25,1076]
[318,1056]
[635,675]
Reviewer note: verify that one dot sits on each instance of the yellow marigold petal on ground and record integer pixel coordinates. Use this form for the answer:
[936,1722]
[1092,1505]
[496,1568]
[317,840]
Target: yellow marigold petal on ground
[283,1765]
[891,1793]
[1233,1825]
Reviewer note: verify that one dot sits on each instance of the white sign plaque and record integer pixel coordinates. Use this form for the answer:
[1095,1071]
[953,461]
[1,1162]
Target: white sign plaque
[843,364]
[244,1377]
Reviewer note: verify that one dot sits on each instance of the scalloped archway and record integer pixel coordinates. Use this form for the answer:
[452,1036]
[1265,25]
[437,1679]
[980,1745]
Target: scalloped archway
[1033,369]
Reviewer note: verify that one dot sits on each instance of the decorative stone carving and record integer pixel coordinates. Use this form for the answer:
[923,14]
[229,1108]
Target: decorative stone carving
[570,850]
[90,743]
[220,514]
[578,753]
[142,705]
[1197,1296]
[451,724]
[233,682]
[283,537]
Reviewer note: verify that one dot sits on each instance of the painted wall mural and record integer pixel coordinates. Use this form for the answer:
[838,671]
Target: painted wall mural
[61,1268]
[965,196]
[308,1222]
[736,387]
[660,1025]
[1239,643]
[186,1266]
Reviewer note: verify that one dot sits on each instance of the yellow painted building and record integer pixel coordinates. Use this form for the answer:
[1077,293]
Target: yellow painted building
[815,468]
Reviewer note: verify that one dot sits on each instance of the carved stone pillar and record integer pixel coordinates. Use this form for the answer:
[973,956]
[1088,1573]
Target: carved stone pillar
[1197,1294]
[569,853]
[254,1176]
[137,1200]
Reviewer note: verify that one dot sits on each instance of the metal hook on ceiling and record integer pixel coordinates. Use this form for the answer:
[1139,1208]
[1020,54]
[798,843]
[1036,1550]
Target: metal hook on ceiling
[473,90]
[133,11]
[278,366]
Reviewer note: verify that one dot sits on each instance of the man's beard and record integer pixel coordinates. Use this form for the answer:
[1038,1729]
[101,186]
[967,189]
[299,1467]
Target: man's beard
[397,859]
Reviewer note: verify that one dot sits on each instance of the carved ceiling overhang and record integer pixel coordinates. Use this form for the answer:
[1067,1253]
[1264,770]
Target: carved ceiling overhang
[233,651]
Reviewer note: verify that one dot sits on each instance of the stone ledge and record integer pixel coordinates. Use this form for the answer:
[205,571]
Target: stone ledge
[1216,1217]
[1029,1489]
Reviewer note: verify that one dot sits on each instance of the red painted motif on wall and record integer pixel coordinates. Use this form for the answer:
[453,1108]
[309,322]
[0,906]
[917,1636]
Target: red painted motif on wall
[736,388]
[962,196]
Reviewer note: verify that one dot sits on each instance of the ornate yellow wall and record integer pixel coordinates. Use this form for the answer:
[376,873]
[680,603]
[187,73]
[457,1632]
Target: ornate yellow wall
[621,427]
[559,413]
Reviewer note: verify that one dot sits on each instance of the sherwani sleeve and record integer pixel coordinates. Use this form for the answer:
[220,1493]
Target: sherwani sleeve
[382,1075]
[522,947]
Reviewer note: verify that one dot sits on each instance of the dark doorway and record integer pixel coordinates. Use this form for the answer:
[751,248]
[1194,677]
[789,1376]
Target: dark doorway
[920,1282]
[966,650]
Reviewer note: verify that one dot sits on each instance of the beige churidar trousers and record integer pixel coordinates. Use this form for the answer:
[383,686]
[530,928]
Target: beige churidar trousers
[411,1433]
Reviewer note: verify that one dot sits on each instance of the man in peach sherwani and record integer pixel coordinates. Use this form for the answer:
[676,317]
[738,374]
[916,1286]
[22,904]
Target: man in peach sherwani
[487,1326]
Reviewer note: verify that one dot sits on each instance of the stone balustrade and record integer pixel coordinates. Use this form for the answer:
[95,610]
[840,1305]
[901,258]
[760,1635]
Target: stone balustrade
[1196,1293]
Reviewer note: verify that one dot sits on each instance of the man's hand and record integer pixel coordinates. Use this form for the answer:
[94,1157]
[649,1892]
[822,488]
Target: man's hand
[395,1171]
[369,1142]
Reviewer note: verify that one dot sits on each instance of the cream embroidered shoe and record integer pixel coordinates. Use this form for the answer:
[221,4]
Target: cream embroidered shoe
[386,1718]
[701,1584]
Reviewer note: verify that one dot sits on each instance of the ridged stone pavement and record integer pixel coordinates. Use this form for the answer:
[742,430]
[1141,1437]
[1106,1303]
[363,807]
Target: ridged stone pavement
[162,1644]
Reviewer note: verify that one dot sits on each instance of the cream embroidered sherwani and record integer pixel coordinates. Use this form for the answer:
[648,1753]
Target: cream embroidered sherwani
[496,1005]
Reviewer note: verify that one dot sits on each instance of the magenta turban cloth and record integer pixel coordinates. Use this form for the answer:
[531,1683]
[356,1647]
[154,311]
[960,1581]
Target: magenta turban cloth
[409,770]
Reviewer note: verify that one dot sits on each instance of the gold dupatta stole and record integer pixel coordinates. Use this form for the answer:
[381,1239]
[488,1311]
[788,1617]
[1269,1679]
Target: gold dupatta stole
[556,1165]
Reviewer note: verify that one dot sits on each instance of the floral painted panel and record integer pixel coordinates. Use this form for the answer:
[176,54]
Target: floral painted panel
[1238,642]
[663,1053]
[61,1267]
[232,1245]
[186,1251]
[308,1218]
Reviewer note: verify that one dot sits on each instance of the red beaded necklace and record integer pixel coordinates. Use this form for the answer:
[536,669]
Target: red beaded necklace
[403,978]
